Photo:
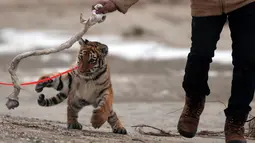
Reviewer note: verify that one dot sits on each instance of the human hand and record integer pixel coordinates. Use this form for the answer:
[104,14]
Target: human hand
[108,6]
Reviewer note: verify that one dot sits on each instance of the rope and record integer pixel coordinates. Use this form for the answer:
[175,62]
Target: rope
[39,81]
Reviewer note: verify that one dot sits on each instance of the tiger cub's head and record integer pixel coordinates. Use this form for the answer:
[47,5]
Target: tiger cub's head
[91,57]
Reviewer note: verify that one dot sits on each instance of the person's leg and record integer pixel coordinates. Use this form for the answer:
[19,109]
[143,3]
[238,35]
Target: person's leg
[241,23]
[205,35]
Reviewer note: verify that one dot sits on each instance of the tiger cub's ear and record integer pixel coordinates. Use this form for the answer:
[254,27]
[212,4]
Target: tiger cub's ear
[83,42]
[104,50]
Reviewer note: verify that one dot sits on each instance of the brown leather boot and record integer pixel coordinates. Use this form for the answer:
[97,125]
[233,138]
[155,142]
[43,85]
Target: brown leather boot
[189,119]
[234,129]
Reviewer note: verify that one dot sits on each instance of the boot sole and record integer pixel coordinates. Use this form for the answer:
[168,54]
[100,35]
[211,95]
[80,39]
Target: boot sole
[187,134]
[237,141]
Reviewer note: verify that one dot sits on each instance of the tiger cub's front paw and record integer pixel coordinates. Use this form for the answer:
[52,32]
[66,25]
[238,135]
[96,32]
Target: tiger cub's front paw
[74,125]
[98,118]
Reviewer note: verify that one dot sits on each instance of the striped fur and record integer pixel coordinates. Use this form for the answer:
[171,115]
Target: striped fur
[89,84]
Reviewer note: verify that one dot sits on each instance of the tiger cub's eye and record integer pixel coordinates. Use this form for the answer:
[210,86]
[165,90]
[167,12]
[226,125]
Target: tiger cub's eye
[92,61]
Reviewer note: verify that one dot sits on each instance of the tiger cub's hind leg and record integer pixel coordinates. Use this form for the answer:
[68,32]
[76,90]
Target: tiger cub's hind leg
[72,114]
[115,124]
[72,119]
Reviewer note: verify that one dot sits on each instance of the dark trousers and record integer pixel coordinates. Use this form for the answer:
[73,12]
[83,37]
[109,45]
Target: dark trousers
[205,34]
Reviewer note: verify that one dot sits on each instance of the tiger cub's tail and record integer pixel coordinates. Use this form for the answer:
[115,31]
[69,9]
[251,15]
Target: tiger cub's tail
[47,102]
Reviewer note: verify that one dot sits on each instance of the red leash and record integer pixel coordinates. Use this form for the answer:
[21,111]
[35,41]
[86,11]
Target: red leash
[39,81]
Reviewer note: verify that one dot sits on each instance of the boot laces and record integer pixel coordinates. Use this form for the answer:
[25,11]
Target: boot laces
[235,127]
[194,107]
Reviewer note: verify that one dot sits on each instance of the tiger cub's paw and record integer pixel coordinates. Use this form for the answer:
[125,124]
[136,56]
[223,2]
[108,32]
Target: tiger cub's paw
[75,125]
[98,118]
[120,130]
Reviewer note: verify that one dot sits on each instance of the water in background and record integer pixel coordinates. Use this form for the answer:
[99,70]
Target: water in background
[17,41]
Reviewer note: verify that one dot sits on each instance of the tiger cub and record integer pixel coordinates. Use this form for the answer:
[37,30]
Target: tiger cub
[89,84]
